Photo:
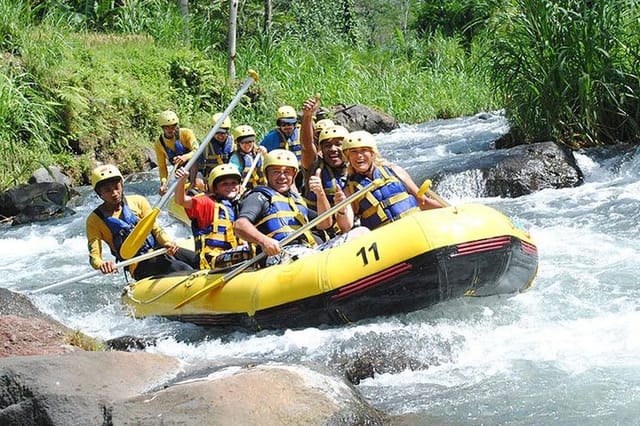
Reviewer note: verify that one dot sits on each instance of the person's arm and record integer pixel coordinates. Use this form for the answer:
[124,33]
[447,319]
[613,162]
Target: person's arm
[424,201]
[309,150]
[161,156]
[180,196]
[344,216]
[252,208]
[94,242]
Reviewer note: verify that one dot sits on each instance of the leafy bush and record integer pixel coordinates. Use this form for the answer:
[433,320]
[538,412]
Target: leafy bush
[569,69]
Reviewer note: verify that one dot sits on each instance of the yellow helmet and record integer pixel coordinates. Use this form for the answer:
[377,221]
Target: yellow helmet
[335,132]
[104,172]
[280,157]
[286,114]
[226,123]
[243,131]
[320,125]
[359,139]
[167,118]
[220,171]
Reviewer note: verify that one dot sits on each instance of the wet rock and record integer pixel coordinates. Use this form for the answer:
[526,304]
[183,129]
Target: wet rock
[367,364]
[531,168]
[361,117]
[35,202]
[24,330]
[513,172]
[129,343]
[141,388]
[50,174]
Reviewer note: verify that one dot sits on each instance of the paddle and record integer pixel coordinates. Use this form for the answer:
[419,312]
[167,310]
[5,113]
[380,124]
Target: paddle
[292,237]
[250,172]
[425,189]
[128,262]
[136,238]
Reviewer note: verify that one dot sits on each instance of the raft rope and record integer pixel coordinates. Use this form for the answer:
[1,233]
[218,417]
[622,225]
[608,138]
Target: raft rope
[190,277]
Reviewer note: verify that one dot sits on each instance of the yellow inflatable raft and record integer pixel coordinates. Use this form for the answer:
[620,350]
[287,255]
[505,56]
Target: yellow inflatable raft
[422,259]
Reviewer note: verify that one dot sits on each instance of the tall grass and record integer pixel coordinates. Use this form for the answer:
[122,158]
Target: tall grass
[569,69]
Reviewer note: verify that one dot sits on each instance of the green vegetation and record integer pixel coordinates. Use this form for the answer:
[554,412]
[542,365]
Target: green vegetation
[570,69]
[81,81]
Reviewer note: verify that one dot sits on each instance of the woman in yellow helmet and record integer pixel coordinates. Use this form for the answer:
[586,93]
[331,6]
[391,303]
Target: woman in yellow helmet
[176,146]
[395,198]
[115,218]
[246,154]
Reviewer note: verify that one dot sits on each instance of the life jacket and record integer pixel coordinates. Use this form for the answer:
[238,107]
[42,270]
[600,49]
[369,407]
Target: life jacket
[218,236]
[257,176]
[121,228]
[285,215]
[179,148]
[386,203]
[216,154]
[332,179]
[291,143]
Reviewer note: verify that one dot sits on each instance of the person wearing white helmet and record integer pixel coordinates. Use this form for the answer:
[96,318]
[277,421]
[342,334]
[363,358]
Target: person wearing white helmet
[175,146]
[113,220]
[396,198]
[212,216]
[219,149]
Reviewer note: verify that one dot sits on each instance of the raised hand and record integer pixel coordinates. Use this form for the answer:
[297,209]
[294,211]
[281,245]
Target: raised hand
[315,183]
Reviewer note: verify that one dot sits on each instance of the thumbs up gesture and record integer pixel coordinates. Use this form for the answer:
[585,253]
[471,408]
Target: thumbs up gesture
[315,183]
[339,195]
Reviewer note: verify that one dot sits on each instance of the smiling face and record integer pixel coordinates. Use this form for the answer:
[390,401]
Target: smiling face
[246,145]
[332,152]
[361,159]
[281,178]
[221,135]
[227,187]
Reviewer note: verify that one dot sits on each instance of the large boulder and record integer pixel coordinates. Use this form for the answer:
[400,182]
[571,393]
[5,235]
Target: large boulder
[25,330]
[142,388]
[360,117]
[50,174]
[36,202]
[531,168]
[513,172]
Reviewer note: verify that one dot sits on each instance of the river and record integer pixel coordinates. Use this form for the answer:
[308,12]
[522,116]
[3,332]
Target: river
[565,352]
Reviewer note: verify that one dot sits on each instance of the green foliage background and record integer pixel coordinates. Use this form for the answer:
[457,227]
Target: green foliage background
[82,81]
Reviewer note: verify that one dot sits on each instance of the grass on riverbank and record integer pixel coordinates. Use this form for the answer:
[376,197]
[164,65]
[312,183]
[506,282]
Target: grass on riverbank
[73,98]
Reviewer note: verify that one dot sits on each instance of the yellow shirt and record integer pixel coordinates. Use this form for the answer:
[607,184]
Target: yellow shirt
[188,141]
[98,231]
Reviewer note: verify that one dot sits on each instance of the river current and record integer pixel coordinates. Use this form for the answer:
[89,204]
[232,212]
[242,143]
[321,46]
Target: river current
[565,352]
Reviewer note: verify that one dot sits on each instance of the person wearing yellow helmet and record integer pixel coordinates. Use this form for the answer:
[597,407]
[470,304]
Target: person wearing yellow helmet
[175,146]
[219,149]
[286,135]
[324,153]
[394,199]
[113,220]
[268,214]
[246,154]
[212,216]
